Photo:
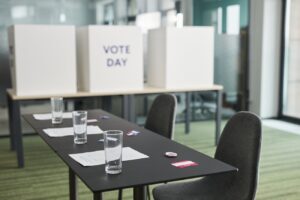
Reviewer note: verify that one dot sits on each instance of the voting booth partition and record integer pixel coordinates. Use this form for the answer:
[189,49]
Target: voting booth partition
[110,58]
[180,57]
[42,59]
[49,59]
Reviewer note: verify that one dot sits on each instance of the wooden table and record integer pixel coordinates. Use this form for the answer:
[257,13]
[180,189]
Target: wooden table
[128,107]
[136,173]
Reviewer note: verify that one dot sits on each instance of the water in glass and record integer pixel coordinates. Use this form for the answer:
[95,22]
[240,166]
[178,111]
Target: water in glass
[113,144]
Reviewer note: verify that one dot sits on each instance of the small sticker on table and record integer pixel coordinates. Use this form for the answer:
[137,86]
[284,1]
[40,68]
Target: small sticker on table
[184,164]
[104,117]
[171,154]
[91,120]
[133,133]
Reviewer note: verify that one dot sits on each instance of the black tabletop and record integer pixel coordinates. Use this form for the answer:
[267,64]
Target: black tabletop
[155,169]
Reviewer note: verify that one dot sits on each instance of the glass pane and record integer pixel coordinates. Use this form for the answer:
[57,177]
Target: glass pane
[230,19]
[291,106]
[233,20]
[77,12]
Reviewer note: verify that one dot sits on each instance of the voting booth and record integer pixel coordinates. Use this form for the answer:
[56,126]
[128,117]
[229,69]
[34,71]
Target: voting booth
[180,57]
[110,58]
[42,59]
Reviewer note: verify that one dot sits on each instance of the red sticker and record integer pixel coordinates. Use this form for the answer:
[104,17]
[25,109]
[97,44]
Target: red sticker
[184,164]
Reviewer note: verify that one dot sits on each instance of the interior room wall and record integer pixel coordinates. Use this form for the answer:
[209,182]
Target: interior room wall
[255,54]
[265,33]
[187,10]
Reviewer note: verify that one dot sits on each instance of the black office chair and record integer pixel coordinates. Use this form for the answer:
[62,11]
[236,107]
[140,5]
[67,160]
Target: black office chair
[161,116]
[239,146]
[161,119]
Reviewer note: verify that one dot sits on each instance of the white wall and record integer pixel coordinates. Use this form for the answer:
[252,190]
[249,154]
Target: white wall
[271,61]
[264,65]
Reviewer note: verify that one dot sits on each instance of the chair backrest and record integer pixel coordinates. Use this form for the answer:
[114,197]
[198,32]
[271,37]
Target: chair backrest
[239,146]
[161,116]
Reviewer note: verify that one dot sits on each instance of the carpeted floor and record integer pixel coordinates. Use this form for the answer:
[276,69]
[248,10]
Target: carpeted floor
[46,177]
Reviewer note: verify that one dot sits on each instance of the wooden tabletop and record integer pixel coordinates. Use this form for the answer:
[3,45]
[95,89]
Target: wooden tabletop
[146,90]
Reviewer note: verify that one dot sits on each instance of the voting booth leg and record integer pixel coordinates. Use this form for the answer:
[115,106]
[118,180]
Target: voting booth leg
[72,185]
[139,193]
[97,196]
[187,112]
[218,116]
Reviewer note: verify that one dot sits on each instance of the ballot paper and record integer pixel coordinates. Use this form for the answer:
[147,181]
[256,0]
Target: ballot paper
[48,116]
[98,157]
[60,132]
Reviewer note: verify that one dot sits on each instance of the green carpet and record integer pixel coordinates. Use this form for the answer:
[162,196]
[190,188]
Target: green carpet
[46,176]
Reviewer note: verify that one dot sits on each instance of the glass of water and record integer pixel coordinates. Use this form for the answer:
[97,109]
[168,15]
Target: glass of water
[57,109]
[113,143]
[80,127]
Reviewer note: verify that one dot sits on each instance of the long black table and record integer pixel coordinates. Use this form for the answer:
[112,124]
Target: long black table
[128,108]
[136,173]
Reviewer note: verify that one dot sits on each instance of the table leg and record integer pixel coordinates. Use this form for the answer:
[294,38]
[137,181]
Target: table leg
[187,112]
[77,104]
[131,105]
[218,116]
[120,194]
[145,105]
[139,193]
[106,103]
[97,196]
[128,108]
[125,108]
[16,132]
[72,185]
[10,118]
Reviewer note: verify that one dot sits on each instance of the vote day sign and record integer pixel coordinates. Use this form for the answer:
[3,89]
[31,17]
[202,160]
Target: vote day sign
[109,58]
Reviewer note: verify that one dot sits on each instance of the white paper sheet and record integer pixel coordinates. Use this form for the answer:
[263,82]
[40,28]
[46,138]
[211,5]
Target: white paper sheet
[98,157]
[48,116]
[91,120]
[60,132]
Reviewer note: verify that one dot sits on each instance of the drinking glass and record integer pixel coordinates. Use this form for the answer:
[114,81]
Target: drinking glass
[57,109]
[80,126]
[113,143]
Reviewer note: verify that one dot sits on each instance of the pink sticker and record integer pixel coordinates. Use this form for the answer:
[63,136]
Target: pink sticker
[184,164]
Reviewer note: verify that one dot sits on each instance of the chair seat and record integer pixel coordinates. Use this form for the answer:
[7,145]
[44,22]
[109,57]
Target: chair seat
[208,188]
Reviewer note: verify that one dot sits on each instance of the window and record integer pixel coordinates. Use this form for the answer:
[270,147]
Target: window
[290,97]
[233,20]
